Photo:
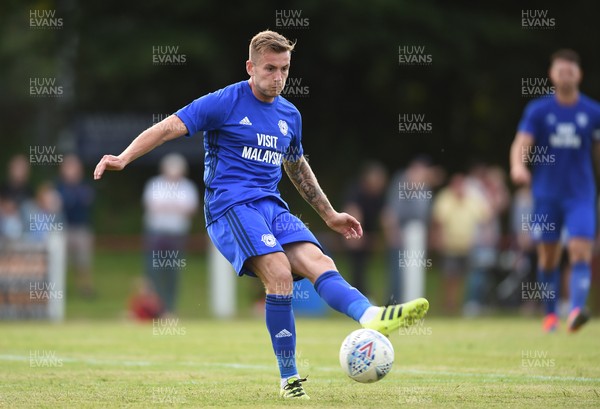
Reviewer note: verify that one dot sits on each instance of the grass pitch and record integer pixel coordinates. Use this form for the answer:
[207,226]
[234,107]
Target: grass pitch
[500,362]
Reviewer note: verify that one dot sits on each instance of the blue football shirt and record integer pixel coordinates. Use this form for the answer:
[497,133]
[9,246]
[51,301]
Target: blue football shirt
[561,157]
[245,142]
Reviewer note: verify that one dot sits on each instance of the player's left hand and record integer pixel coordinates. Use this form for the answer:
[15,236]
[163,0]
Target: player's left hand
[346,225]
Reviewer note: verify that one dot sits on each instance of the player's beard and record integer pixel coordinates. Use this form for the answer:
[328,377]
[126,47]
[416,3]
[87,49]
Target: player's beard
[279,88]
[271,91]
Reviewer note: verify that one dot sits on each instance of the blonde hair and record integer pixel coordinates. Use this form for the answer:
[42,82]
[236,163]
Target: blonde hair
[269,41]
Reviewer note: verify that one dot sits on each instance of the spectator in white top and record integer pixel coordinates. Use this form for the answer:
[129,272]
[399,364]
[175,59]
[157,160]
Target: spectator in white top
[170,200]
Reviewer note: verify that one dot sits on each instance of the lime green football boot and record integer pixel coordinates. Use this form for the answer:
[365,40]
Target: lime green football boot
[293,389]
[396,316]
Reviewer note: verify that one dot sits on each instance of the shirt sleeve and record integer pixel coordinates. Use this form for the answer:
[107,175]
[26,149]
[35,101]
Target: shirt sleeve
[206,113]
[529,121]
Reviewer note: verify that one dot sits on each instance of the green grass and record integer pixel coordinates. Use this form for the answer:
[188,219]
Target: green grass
[96,359]
[443,363]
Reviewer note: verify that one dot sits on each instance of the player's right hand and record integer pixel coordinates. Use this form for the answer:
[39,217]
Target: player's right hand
[520,175]
[108,162]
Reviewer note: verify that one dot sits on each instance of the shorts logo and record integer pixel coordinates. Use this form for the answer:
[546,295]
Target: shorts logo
[269,240]
[283,127]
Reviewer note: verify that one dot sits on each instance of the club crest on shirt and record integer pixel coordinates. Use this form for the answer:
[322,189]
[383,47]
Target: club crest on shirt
[283,127]
[582,119]
[269,240]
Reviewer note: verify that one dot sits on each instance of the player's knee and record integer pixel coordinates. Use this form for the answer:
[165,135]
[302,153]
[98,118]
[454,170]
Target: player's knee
[547,260]
[326,263]
[580,255]
[546,264]
[279,282]
[580,251]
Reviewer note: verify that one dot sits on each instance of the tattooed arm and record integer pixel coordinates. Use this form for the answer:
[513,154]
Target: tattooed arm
[305,181]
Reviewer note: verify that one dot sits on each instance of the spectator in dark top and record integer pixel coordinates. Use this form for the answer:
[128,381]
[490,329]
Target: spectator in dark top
[365,201]
[78,198]
[17,187]
[405,221]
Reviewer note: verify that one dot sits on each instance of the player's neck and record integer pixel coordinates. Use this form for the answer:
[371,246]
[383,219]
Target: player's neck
[569,97]
[258,95]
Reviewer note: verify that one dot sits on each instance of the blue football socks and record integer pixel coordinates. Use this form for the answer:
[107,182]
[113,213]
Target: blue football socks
[340,295]
[282,328]
[579,284]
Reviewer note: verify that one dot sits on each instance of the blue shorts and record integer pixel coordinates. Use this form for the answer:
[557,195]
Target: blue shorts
[257,228]
[549,218]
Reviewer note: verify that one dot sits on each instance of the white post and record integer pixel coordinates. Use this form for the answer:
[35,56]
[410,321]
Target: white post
[413,278]
[57,267]
[222,284]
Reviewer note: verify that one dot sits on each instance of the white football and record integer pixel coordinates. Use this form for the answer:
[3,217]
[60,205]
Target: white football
[366,355]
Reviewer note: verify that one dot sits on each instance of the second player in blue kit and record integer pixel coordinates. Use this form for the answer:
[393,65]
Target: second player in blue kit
[558,136]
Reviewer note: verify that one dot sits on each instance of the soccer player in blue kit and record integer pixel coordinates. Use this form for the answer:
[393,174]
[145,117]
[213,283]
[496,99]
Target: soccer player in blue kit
[249,132]
[558,135]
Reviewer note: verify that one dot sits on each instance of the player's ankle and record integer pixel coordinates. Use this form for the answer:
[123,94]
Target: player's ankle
[369,314]
[284,380]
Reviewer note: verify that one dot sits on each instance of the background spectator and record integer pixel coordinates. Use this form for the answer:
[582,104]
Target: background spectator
[524,261]
[43,216]
[365,202]
[170,200]
[11,222]
[490,184]
[77,200]
[17,186]
[409,200]
[457,214]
